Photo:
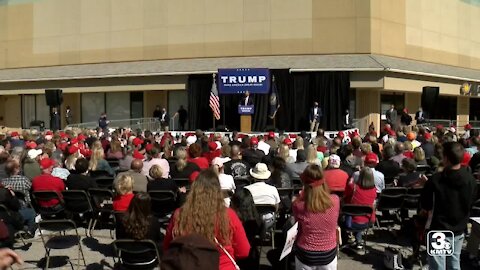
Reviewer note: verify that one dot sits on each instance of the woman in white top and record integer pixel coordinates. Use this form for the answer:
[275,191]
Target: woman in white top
[226,181]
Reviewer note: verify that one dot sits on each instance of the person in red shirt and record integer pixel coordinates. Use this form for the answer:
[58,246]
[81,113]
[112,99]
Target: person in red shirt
[336,178]
[195,152]
[361,193]
[124,188]
[204,213]
[46,181]
[316,211]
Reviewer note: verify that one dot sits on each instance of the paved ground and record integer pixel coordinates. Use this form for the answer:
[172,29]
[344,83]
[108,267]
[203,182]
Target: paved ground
[98,253]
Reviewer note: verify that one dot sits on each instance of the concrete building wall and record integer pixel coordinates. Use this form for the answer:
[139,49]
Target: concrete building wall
[65,32]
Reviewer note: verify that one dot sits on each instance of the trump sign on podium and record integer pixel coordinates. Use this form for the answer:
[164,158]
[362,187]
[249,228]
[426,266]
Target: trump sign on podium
[240,80]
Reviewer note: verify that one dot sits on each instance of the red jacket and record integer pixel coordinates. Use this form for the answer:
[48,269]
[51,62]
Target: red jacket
[48,182]
[354,194]
[212,154]
[122,202]
[201,162]
[239,248]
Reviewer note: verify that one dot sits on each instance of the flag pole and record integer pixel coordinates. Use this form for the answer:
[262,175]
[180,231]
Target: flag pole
[213,114]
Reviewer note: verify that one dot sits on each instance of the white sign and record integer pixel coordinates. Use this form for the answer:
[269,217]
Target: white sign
[290,241]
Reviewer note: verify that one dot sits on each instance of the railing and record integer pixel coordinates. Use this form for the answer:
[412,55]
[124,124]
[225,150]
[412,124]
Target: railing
[152,124]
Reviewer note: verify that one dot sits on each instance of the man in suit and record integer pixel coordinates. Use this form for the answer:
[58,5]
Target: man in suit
[164,119]
[55,119]
[315,116]
[347,120]
[420,116]
[247,100]
[391,116]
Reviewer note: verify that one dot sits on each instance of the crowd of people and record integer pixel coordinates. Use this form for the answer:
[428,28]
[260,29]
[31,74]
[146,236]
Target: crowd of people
[228,176]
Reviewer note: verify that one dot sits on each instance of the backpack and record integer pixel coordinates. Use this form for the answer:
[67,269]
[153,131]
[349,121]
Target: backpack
[192,251]
[393,259]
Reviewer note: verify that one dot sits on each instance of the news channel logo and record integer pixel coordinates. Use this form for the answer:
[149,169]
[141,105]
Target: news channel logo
[440,243]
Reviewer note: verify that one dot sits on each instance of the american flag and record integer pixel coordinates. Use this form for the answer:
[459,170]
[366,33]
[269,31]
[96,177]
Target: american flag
[215,101]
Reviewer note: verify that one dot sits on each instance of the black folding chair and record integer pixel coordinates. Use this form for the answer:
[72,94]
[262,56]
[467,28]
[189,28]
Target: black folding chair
[105,182]
[59,239]
[136,254]
[95,174]
[164,202]
[475,212]
[411,199]
[424,169]
[391,199]
[182,182]
[102,205]
[46,196]
[265,211]
[297,182]
[355,210]
[78,203]
[19,233]
[113,162]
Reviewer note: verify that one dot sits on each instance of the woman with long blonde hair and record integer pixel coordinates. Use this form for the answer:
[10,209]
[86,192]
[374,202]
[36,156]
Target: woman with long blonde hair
[284,152]
[204,213]
[98,163]
[312,155]
[316,208]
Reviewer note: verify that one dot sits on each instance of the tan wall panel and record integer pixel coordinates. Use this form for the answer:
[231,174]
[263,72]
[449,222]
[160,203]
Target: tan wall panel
[415,84]
[153,98]
[463,111]
[326,36]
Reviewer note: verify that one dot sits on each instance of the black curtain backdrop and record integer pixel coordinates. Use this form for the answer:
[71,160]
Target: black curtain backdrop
[296,94]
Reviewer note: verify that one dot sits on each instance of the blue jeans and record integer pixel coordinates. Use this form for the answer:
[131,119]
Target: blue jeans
[28,215]
[356,226]
[448,262]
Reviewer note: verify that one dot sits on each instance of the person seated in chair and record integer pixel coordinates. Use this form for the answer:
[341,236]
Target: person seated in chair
[80,179]
[361,192]
[47,182]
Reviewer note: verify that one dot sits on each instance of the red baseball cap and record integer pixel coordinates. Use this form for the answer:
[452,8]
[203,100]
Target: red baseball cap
[427,135]
[466,159]
[30,145]
[73,141]
[287,141]
[213,146]
[137,141]
[73,149]
[49,132]
[138,155]
[271,134]
[468,127]
[46,163]
[81,137]
[254,141]
[149,147]
[371,158]
[14,134]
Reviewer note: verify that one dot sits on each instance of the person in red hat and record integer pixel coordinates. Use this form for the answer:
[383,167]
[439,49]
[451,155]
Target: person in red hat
[253,155]
[467,129]
[213,152]
[46,181]
[371,161]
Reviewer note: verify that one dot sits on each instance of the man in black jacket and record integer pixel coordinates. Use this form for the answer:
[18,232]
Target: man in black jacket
[447,198]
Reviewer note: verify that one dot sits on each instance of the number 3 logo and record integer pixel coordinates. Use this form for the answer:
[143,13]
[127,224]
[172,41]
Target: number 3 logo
[439,240]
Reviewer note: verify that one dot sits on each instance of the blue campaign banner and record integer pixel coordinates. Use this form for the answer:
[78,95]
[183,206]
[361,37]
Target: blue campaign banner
[246,109]
[240,80]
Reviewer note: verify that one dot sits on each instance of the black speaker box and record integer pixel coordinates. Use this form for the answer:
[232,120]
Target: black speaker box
[430,98]
[53,97]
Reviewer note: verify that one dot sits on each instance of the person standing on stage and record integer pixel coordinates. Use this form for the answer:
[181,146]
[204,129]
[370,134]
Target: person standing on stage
[420,116]
[182,117]
[315,116]
[247,100]
[157,113]
[103,122]
[347,120]
[391,116]
[164,119]
[55,119]
[68,115]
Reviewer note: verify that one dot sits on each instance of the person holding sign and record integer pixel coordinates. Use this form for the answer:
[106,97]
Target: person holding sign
[316,211]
